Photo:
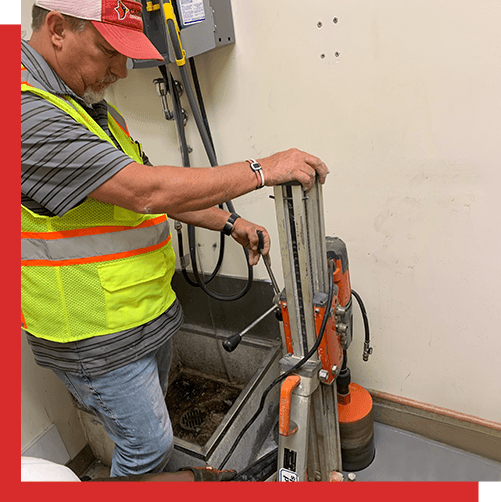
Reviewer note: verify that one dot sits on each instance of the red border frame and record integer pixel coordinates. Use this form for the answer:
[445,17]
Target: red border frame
[467,492]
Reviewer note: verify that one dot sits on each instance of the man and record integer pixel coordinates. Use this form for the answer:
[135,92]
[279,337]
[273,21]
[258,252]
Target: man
[97,261]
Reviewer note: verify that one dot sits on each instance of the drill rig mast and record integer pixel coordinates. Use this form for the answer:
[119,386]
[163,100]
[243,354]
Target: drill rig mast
[315,294]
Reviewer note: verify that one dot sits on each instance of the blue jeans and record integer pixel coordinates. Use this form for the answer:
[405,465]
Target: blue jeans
[130,403]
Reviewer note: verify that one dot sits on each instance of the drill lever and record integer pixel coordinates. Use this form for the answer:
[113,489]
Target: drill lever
[267,263]
[231,343]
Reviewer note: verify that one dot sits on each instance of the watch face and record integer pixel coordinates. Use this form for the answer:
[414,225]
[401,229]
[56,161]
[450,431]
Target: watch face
[254,164]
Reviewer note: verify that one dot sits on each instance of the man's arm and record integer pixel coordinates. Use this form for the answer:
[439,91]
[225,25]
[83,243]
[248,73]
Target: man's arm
[244,232]
[176,190]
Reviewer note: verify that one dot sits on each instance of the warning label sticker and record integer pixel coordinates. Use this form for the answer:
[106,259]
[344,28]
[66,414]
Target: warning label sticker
[285,475]
[192,11]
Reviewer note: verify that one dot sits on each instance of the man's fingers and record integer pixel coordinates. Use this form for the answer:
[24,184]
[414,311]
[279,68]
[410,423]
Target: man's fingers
[319,167]
[313,161]
[253,257]
[308,176]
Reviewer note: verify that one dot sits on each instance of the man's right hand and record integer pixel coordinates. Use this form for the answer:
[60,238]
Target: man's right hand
[182,475]
[293,165]
[210,474]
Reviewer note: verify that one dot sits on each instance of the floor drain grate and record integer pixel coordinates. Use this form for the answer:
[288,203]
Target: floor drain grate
[191,420]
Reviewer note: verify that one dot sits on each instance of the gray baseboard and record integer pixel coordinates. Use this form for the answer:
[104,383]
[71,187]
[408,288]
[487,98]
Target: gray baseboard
[468,433]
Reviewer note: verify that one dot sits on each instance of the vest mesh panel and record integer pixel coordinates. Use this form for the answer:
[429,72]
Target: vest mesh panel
[78,301]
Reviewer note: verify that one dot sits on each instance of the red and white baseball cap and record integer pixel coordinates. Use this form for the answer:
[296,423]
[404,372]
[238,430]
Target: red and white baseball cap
[118,21]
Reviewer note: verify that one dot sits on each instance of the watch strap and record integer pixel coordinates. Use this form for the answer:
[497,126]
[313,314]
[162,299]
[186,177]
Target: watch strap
[228,226]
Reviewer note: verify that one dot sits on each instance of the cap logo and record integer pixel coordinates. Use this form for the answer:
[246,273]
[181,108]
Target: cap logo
[121,10]
[118,21]
[124,13]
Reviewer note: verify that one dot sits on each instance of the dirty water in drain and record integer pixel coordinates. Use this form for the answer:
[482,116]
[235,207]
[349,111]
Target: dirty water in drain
[197,405]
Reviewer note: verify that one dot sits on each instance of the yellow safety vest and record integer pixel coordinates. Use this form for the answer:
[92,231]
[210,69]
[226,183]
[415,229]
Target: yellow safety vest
[99,268]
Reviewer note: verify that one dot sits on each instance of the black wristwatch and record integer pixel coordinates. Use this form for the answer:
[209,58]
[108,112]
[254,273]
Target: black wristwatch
[228,226]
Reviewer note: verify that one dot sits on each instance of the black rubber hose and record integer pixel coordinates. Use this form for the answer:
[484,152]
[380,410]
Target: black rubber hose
[364,315]
[191,236]
[191,98]
[176,105]
[207,142]
[294,368]
[196,83]
[163,71]
[200,281]
[180,247]
[179,119]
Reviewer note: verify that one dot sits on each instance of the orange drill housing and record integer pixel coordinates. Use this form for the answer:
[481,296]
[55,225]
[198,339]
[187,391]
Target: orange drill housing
[330,350]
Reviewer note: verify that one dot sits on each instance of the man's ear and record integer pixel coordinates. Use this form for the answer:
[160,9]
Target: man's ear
[56,26]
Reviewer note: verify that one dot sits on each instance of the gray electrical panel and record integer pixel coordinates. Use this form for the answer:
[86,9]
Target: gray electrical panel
[204,25]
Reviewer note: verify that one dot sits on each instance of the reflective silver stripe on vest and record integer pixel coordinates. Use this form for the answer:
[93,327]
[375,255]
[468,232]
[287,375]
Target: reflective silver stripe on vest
[87,246]
[118,118]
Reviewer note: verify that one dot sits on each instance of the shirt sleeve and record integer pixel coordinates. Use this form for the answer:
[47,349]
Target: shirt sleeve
[62,162]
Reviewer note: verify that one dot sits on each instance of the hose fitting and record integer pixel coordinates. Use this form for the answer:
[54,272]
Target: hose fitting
[367,351]
[161,87]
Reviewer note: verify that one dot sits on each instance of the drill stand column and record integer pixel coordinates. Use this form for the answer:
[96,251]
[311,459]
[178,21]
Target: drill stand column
[309,443]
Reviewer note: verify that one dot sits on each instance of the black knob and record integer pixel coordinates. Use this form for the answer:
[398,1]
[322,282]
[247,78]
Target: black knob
[231,343]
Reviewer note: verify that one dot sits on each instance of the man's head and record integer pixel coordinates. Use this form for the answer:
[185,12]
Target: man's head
[88,42]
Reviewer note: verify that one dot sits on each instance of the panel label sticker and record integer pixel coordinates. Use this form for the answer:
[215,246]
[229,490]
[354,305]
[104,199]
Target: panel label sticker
[192,11]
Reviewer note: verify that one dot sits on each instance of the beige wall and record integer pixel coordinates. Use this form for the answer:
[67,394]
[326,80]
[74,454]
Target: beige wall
[408,119]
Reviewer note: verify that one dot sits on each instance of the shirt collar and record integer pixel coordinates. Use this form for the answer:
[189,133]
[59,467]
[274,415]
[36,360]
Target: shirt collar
[43,73]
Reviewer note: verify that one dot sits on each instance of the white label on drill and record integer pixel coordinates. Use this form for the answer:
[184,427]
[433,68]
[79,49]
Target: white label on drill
[286,475]
[192,11]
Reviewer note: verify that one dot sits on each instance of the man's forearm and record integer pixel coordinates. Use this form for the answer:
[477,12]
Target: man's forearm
[176,190]
[213,218]
[243,231]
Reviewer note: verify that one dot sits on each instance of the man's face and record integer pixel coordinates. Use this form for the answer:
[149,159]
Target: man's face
[90,64]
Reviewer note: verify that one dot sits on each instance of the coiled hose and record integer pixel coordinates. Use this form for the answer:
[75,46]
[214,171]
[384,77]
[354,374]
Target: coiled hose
[206,138]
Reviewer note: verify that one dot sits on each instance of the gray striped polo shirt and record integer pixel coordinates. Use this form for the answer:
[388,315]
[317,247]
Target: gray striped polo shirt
[62,162]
